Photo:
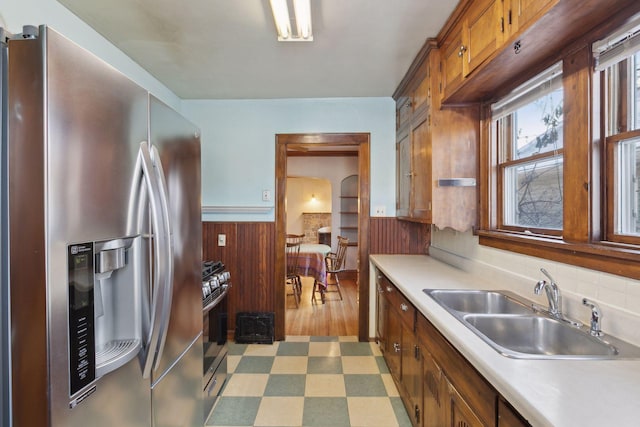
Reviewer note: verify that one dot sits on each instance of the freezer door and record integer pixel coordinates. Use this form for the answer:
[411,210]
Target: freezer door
[177,396]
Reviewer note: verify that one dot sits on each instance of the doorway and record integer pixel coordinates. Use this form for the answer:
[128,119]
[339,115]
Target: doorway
[326,144]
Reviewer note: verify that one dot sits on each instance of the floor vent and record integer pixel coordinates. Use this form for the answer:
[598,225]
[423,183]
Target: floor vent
[254,328]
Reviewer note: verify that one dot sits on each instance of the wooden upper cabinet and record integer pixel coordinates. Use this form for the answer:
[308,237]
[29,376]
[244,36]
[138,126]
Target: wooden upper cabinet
[452,52]
[403,171]
[435,144]
[422,177]
[522,12]
[477,35]
[482,33]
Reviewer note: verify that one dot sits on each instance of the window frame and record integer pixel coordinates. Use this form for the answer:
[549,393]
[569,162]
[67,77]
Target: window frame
[584,238]
[542,84]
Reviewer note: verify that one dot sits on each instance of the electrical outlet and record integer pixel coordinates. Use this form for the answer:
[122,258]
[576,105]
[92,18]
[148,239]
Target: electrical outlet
[379,211]
[266,195]
[222,240]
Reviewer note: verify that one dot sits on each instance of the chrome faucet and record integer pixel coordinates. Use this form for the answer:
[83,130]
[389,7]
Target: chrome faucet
[596,317]
[553,294]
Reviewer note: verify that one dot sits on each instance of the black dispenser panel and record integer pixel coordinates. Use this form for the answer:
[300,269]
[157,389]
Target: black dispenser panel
[82,352]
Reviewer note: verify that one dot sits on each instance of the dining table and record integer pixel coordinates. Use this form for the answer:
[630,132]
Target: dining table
[310,262]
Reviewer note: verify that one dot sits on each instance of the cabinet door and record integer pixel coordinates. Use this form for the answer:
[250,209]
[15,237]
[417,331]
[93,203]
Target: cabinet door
[435,392]
[394,343]
[403,167]
[421,169]
[382,311]
[422,92]
[461,414]
[412,374]
[524,11]
[482,33]
[452,53]
[403,111]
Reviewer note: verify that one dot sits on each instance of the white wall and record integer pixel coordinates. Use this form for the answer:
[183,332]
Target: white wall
[16,13]
[619,297]
[299,201]
[238,138]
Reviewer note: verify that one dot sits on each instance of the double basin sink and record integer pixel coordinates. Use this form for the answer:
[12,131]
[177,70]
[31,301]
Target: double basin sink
[516,328]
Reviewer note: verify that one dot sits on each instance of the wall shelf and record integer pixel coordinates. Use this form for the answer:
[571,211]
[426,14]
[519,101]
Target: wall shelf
[349,209]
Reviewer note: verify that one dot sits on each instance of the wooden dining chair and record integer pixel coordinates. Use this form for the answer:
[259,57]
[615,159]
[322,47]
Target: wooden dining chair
[335,263]
[293,242]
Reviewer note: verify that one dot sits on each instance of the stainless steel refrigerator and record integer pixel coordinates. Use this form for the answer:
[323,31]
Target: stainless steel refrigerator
[104,245]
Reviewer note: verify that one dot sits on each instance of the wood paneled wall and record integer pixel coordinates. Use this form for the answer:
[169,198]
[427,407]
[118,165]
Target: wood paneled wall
[392,236]
[249,255]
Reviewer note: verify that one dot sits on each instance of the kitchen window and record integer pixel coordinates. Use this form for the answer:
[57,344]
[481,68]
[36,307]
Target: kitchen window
[528,133]
[566,146]
[618,63]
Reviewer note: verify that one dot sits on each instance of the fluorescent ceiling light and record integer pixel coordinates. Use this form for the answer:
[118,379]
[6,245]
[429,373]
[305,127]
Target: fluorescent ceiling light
[302,10]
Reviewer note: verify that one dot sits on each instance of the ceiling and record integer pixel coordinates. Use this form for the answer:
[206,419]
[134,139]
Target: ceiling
[228,49]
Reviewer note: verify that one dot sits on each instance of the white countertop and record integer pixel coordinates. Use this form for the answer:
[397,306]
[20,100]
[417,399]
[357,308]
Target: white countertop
[546,392]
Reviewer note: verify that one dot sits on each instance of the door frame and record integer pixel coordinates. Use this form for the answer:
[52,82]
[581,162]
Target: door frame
[361,143]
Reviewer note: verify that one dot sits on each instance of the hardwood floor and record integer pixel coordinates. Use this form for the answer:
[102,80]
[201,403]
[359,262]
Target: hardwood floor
[334,318]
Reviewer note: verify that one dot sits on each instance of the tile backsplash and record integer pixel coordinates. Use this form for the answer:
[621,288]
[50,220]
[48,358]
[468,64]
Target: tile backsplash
[618,297]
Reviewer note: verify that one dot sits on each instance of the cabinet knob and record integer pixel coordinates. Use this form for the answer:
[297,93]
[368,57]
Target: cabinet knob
[389,289]
[462,50]
[396,347]
[404,307]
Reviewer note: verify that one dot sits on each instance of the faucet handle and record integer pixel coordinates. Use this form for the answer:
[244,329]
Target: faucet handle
[596,317]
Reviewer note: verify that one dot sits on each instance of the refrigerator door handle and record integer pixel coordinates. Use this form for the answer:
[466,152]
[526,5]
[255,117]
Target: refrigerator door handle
[161,246]
[166,256]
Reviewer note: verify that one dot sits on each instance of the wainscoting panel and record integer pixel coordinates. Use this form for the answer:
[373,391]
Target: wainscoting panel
[388,235]
[249,255]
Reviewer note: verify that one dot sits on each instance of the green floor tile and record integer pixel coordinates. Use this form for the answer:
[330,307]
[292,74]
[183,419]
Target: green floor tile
[325,412]
[293,349]
[401,412]
[236,349]
[324,365]
[364,385]
[285,385]
[235,411]
[254,365]
[355,349]
[323,339]
[382,365]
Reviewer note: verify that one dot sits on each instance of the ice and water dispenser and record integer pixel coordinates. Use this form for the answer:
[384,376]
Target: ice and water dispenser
[104,308]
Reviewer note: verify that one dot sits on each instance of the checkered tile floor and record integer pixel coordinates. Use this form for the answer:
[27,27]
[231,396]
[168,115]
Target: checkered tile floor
[309,381]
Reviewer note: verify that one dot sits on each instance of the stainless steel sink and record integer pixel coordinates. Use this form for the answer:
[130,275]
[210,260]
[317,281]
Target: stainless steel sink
[473,301]
[514,328]
[523,336]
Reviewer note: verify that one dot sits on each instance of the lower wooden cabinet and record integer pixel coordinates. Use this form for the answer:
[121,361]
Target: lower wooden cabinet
[508,417]
[438,386]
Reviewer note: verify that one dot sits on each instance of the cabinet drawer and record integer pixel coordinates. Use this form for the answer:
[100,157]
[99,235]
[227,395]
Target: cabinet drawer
[404,309]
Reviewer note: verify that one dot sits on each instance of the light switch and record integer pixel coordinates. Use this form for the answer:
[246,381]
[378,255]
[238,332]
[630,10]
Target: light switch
[222,240]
